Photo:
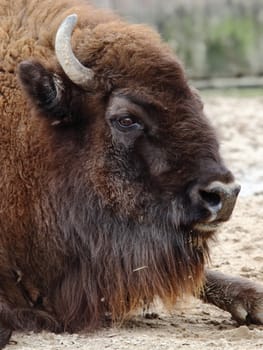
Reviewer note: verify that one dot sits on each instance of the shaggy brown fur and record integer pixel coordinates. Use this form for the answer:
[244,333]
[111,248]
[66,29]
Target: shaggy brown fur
[95,221]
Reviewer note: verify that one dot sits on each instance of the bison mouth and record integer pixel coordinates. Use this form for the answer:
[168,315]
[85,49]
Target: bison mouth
[204,227]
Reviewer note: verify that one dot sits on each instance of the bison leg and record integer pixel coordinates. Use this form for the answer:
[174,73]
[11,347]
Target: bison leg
[5,322]
[5,334]
[239,296]
[23,319]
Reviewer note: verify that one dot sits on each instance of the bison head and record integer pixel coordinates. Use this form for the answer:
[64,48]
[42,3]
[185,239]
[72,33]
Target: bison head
[134,174]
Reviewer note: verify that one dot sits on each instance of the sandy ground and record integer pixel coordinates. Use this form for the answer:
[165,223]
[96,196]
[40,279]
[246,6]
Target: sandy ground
[239,248]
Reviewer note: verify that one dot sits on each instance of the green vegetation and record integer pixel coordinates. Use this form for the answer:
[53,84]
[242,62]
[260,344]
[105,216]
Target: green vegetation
[217,41]
[233,92]
[229,45]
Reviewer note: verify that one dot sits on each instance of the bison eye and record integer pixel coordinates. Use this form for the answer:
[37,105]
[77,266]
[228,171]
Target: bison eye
[127,123]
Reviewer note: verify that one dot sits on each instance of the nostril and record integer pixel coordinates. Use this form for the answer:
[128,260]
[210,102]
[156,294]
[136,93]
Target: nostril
[211,198]
[219,199]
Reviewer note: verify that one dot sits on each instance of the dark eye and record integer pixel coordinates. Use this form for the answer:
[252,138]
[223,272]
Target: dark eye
[127,123]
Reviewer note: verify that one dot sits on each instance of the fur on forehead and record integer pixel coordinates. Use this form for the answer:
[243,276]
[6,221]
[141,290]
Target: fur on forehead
[121,53]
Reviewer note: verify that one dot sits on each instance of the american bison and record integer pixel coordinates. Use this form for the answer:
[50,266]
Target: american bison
[111,182]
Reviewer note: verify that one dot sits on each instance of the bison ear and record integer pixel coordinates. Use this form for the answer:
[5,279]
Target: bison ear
[46,90]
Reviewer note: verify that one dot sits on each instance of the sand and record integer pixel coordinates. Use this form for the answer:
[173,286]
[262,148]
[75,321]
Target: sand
[238,250]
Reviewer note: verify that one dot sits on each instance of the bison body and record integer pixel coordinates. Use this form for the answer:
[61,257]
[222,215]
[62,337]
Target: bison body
[111,182]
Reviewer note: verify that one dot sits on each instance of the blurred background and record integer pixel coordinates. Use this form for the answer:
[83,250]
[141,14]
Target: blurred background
[216,39]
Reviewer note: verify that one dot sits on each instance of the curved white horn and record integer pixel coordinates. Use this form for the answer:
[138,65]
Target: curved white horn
[76,72]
